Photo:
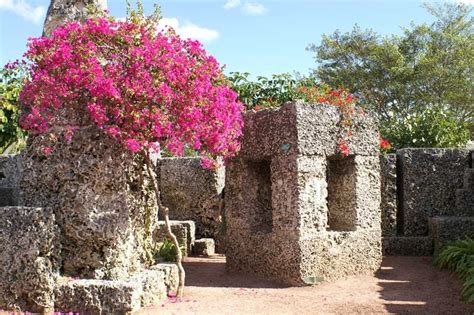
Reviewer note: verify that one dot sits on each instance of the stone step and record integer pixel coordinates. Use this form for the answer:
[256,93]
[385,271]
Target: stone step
[91,296]
[407,246]
[445,229]
[8,197]
[204,247]
[465,202]
[469,179]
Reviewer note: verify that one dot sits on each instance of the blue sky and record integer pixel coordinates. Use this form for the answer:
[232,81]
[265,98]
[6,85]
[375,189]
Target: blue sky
[261,37]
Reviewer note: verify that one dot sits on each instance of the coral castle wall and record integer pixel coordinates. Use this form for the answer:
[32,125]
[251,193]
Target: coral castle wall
[426,199]
[101,198]
[296,210]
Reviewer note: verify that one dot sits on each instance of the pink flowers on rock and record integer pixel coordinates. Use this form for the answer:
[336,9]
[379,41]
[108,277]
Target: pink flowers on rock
[146,89]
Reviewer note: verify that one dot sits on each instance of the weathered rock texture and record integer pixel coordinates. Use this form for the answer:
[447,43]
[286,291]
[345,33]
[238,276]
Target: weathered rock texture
[296,210]
[445,229]
[101,198]
[407,245]
[9,177]
[430,178]
[193,193]
[388,168]
[29,259]
[117,297]
[60,11]
[204,247]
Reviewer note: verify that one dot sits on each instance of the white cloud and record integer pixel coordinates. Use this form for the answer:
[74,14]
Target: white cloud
[189,30]
[231,4]
[24,9]
[254,8]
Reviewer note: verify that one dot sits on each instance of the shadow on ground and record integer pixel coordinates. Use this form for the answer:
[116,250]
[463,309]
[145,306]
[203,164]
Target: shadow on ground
[412,285]
[211,272]
[403,285]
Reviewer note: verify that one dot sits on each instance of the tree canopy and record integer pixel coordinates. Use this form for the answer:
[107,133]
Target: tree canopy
[428,66]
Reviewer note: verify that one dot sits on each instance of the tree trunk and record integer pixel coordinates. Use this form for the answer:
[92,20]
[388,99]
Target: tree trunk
[171,236]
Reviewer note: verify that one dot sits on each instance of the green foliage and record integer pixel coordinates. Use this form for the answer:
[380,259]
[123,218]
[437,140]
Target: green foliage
[458,256]
[12,137]
[279,88]
[431,128]
[268,92]
[427,66]
[167,251]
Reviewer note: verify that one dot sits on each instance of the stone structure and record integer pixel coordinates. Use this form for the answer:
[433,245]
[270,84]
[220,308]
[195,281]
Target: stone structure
[68,10]
[434,195]
[102,200]
[30,266]
[388,169]
[117,297]
[9,178]
[29,259]
[204,247]
[192,193]
[430,178]
[296,210]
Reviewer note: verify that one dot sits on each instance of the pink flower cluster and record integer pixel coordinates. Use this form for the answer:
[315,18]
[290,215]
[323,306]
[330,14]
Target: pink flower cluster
[147,89]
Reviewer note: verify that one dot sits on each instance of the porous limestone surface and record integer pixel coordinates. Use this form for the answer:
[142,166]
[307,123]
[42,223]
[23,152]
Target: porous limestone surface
[192,193]
[60,11]
[204,247]
[101,198]
[446,229]
[407,245]
[29,259]
[9,177]
[146,288]
[388,169]
[297,211]
[430,179]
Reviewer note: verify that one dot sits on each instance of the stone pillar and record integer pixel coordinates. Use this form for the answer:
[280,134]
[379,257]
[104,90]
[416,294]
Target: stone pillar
[296,210]
[60,11]
[101,197]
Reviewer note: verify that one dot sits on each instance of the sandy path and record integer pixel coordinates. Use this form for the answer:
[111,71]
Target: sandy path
[406,285]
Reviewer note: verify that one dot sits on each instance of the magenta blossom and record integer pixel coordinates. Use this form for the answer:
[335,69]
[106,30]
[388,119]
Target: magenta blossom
[147,89]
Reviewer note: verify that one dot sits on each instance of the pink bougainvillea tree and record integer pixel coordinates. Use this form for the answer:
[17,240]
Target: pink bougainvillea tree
[149,89]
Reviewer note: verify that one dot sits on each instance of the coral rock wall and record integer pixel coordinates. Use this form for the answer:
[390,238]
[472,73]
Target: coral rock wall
[100,196]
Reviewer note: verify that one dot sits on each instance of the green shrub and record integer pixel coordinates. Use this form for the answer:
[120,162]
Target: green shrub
[458,256]
[167,251]
[12,137]
[431,128]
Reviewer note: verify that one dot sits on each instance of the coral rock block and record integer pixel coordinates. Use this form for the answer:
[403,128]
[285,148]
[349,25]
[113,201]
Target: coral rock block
[29,259]
[298,211]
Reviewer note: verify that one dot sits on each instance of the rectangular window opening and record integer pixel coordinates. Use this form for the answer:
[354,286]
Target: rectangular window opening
[341,200]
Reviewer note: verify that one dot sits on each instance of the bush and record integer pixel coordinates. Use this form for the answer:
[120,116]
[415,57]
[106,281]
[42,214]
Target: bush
[12,137]
[434,127]
[458,256]
[167,251]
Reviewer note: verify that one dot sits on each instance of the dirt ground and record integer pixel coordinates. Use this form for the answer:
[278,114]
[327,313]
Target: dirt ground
[403,285]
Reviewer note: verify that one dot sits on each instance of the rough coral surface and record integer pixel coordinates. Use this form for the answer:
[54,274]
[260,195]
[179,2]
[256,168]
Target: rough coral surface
[193,193]
[9,177]
[430,178]
[60,11]
[29,259]
[296,210]
[117,296]
[388,173]
[100,196]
